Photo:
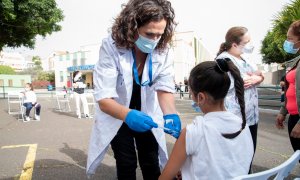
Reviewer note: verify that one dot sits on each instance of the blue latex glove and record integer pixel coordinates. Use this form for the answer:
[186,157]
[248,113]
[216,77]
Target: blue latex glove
[172,121]
[139,121]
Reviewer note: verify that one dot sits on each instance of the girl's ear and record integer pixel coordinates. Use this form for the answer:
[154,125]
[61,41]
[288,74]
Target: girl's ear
[201,98]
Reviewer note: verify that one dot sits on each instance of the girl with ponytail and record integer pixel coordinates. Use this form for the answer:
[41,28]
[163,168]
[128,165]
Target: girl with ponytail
[217,145]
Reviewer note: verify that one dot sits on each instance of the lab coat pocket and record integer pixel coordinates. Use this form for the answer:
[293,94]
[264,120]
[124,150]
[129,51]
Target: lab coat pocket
[121,89]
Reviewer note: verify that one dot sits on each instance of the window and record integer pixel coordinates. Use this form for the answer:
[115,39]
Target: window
[83,55]
[61,74]
[75,56]
[75,59]
[1,82]
[22,82]
[10,82]
[82,60]
[68,57]
[60,58]
[74,62]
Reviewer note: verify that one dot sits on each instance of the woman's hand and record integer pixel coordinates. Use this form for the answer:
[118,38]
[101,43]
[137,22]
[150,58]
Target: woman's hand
[139,121]
[296,131]
[280,121]
[252,80]
[172,124]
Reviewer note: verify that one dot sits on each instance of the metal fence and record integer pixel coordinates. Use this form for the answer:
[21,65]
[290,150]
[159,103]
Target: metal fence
[271,92]
[40,92]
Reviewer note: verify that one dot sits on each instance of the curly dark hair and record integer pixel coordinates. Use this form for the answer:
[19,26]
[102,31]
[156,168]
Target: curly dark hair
[137,13]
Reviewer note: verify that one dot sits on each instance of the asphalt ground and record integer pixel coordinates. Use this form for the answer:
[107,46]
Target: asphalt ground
[56,147]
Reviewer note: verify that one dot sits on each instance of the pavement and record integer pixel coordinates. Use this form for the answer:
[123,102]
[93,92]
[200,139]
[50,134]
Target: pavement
[56,147]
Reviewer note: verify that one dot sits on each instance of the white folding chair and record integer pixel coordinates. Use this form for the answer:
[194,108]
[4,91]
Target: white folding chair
[14,100]
[91,102]
[63,102]
[281,171]
[15,104]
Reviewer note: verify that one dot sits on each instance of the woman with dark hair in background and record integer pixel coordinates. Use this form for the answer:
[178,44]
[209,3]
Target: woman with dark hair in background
[134,86]
[237,42]
[292,88]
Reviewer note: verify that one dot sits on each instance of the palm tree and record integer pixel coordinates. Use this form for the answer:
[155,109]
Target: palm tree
[272,50]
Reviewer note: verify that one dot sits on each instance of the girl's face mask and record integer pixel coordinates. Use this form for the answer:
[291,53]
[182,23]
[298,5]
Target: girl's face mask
[196,107]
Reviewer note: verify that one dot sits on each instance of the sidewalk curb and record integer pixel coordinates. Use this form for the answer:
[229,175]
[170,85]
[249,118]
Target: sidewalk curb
[268,110]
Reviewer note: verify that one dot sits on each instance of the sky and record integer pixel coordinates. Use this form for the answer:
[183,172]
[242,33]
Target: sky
[88,21]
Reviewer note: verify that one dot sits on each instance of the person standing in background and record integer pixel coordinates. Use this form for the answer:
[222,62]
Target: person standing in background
[78,88]
[237,42]
[292,88]
[282,84]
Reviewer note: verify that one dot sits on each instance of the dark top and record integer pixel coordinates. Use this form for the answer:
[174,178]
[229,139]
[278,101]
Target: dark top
[186,82]
[282,79]
[135,102]
[79,90]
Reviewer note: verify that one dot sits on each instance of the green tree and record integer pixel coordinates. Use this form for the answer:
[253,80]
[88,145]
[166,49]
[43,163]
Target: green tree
[47,76]
[271,49]
[37,63]
[22,21]
[6,70]
[34,71]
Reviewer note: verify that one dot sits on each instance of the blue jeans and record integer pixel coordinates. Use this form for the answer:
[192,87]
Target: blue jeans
[29,106]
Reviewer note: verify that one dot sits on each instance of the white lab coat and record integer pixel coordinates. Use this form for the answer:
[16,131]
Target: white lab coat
[113,78]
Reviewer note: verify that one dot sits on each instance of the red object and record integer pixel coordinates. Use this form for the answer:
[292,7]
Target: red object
[40,84]
[68,83]
[291,104]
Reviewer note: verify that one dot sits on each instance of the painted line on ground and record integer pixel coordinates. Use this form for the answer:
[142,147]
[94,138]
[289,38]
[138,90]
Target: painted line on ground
[29,162]
[273,152]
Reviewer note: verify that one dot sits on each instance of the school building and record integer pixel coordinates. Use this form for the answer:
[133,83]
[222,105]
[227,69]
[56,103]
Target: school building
[189,50]
[65,63]
[13,82]
[15,60]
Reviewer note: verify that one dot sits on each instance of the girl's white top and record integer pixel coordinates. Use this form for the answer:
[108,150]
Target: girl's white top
[30,96]
[212,156]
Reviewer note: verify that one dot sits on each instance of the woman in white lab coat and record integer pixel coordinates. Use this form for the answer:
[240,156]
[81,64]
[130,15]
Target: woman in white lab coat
[134,88]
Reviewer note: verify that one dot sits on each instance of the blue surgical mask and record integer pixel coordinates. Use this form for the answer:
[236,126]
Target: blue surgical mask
[146,45]
[196,107]
[289,47]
